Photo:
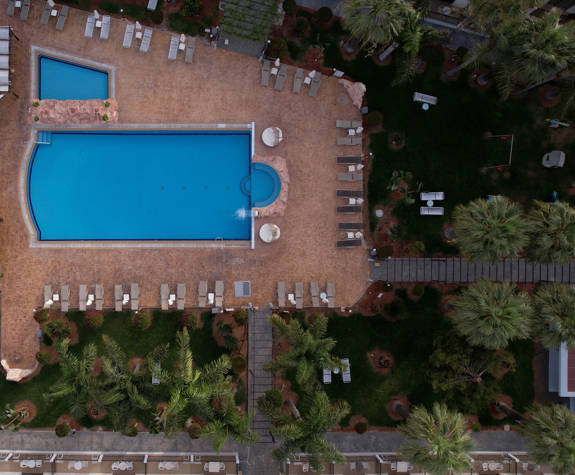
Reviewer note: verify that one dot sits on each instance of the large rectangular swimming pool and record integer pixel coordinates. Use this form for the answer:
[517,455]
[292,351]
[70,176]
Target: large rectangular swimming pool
[63,80]
[140,185]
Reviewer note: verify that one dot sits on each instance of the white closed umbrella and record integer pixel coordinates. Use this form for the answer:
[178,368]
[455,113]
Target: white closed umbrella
[96,15]
[277,63]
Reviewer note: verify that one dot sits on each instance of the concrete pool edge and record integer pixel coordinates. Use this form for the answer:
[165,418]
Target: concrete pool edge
[28,219]
[36,51]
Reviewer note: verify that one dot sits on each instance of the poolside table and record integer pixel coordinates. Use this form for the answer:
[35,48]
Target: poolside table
[272,136]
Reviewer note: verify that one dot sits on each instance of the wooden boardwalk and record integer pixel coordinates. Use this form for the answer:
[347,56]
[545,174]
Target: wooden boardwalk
[459,270]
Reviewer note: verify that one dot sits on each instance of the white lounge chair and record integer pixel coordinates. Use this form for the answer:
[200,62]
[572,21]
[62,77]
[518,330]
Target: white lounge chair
[48,296]
[314,291]
[135,296]
[128,35]
[181,295]
[326,376]
[118,298]
[65,298]
[281,288]
[202,293]
[90,24]
[219,293]
[164,295]
[62,16]
[146,40]
[99,296]
[190,48]
[105,30]
[345,370]
[432,195]
[173,52]
[299,295]
[330,290]
[25,10]
[82,297]
[431,210]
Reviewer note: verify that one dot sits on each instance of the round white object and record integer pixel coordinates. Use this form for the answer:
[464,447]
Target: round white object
[269,232]
[379,213]
[425,106]
[272,136]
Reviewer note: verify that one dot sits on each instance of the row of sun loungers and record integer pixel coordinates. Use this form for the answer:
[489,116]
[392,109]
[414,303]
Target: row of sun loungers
[269,70]
[25,9]
[297,297]
[355,197]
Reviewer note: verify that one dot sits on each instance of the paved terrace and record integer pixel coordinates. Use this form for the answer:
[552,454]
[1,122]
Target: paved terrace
[218,87]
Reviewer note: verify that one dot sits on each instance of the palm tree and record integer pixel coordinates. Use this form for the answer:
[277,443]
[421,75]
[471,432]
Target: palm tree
[490,314]
[306,435]
[553,233]
[376,22]
[446,442]
[170,419]
[78,383]
[555,315]
[490,230]
[550,436]
[310,350]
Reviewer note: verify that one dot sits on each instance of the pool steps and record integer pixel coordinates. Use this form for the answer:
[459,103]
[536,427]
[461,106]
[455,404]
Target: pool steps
[44,137]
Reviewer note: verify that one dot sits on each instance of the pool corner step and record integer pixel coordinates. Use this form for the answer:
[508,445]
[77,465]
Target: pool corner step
[44,137]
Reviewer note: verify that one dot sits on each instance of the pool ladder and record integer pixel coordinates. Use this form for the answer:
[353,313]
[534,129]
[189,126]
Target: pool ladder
[44,137]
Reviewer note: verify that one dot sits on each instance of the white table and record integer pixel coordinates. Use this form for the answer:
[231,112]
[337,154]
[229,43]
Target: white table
[430,203]
[214,467]
[269,232]
[272,136]
[138,34]
[99,24]
[54,12]
[182,46]
[18,4]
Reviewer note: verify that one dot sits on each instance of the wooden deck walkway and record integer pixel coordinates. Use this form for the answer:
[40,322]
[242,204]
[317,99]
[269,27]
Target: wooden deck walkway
[459,270]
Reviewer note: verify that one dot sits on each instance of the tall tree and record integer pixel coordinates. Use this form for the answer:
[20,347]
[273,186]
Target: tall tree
[550,437]
[554,321]
[490,230]
[553,233]
[310,350]
[490,314]
[306,434]
[446,443]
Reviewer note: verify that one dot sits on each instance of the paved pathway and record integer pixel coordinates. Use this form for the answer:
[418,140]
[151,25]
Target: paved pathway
[259,381]
[459,270]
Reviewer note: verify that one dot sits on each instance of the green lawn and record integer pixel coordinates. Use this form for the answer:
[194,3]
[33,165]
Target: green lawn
[134,343]
[410,341]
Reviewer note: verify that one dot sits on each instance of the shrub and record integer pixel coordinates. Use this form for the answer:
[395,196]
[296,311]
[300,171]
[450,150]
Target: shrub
[395,308]
[47,339]
[157,17]
[142,320]
[130,431]
[181,25]
[36,118]
[41,315]
[324,14]
[105,117]
[418,290]
[35,104]
[289,6]
[191,8]
[301,27]
[240,395]
[360,427]
[93,319]
[373,119]
[241,317]
[106,104]
[476,427]
[43,357]
[418,247]
[230,342]
[62,430]
[296,51]
[195,430]
[195,29]
[274,398]
[384,252]
[135,11]
[238,364]
[277,48]
[58,330]
[110,7]
[189,321]
[314,317]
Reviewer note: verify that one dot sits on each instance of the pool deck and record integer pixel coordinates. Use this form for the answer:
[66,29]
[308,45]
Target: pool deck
[218,87]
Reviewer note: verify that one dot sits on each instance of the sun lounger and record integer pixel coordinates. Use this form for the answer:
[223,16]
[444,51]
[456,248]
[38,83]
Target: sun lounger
[181,294]
[266,68]
[326,376]
[152,5]
[11,7]
[298,295]
[99,296]
[281,294]
[146,40]
[349,160]
[314,291]
[219,293]
[349,209]
[105,30]
[297,80]
[431,210]
[315,84]
[65,298]
[281,78]
[174,43]
[350,176]
[46,13]
[349,140]
[164,295]
[118,298]
[47,296]
[349,243]
[432,195]
[349,193]
[82,297]
[425,98]
[345,370]
[90,24]
[202,293]
[128,35]
[350,226]
[135,296]
[330,291]
[190,48]
[25,10]
[62,16]
[343,124]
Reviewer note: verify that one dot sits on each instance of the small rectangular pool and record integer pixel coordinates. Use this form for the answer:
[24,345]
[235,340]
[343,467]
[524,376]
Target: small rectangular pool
[140,185]
[64,80]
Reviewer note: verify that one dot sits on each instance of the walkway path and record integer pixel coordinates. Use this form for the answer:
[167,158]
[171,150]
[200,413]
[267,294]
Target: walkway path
[259,381]
[459,270]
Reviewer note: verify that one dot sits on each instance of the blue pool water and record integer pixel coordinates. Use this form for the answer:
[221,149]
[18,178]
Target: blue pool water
[58,79]
[125,185]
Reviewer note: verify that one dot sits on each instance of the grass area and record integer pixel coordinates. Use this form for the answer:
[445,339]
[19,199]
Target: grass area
[410,340]
[134,343]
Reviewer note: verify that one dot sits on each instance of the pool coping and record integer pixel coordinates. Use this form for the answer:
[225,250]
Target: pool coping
[26,215]
[36,51]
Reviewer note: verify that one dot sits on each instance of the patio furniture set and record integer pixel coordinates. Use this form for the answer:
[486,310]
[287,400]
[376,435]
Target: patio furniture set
[279,71]
[50,11]
[354,130]
[102,24]
[429,198]
[345,370]
[354,200]
[182,43]
[425,99]
[23,5]
[318,298]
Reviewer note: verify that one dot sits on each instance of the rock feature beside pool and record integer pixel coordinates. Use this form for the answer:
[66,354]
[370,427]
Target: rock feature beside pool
[51,111]
[277,208]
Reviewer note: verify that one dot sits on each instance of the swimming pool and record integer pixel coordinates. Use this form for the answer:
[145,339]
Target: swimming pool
[141,185]
[63,80]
